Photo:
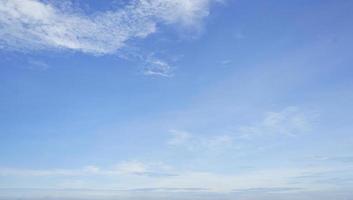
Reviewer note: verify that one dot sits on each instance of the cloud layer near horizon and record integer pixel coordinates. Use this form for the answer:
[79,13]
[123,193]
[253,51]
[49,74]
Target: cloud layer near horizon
[33,24]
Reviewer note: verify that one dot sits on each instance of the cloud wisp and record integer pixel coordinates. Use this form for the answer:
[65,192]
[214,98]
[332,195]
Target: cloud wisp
[126,168]
[290,121]
[37,25]
[215,182]
[194,142]
[157,67]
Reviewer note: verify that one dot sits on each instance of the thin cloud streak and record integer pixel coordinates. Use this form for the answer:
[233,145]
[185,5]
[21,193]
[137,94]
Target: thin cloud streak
[129,168]
[290,121]
[195,142]
[214,182]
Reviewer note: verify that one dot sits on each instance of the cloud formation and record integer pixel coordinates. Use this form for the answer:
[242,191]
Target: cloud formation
[128,168]
[33,24]
[92,177]
[289,121]
[195,142]
[157,67]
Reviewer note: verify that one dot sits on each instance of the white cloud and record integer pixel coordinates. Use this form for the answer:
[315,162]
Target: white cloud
[290,121]
[33,24]
[123,168]
[91,169]
[30,172]
[154,169]
[219,141]
[132,167]
[157,67]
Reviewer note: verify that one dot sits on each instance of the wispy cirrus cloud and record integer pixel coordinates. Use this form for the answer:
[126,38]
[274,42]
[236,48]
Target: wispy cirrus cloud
[156,169]
[37,25]
[134,168]
[183,180]
[268,190]
[158,67]
[335,158]
[37,65]
[199,142]
[289,121]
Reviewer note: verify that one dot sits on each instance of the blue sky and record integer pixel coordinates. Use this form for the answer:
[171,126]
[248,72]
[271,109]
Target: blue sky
[176,99]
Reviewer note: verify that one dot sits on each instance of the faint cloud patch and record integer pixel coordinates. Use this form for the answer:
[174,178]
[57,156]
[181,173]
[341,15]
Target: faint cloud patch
[239,36]
[226,62]
[137,168]
[179,137]
[157,67]
[290,121]
[150,63]
[37,65]
[199,142]
[157,175]
[268,190]
[336,158]
[131,167]
[170,189]
[155,169]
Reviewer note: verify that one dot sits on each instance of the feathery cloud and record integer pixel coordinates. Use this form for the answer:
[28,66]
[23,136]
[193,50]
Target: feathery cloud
[289,121]
[37,25]
[157,67]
